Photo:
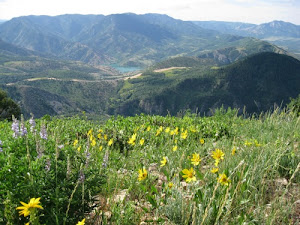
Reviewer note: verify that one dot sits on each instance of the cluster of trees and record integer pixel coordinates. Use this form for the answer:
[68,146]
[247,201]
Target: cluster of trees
[8,107]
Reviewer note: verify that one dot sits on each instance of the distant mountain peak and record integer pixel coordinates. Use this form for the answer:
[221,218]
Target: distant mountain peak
[124,38]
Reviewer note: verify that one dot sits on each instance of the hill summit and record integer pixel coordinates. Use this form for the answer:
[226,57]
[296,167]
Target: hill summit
[257,83]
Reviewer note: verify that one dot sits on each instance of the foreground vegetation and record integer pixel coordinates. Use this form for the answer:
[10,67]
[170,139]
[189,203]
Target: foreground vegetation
[224,169]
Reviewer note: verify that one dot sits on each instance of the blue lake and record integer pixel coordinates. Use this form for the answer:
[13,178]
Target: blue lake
[124,69]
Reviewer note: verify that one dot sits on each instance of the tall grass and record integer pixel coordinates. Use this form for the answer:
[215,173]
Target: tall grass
[90,170]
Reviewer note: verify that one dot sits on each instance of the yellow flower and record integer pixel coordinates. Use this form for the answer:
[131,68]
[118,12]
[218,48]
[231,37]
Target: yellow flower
[75,142]
[159,130]
[81,222]
[167,130]
[256,143]
[217,162]
[189,175]
[142,174]
[175,131]
[26,208]
[214,170]
[99,136]
[184,134]
[223,179]
[92,138]
[93,142]
[170,185]
[90,132]
[163,162]
[132,139]
[233,151]
[175,148]
[111,141]
[105,137]
[202,141]
[195,160]
[79,148]
[218,154]
[100,148]
[27,223]
[247,143]
[148,128]
[192,129]
[142,141]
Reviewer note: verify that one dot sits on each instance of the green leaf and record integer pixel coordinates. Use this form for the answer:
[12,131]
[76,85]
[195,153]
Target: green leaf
[153,189]
[145,209]
[152,201]
[199,175]
[198,196]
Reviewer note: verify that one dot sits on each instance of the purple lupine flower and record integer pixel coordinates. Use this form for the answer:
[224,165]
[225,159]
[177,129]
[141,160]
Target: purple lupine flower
[15,128]
[105,160]
[43,132]
[40,153]
[32,124]
[88,156]
[39,149]
[81,176]
[23,129]
[48,165]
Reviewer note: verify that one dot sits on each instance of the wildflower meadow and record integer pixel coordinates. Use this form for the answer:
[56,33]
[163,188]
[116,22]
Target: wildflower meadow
[222,169]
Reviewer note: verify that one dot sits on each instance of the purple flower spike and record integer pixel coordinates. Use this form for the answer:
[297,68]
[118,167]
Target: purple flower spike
[43,132]
[15,128]
[32,124]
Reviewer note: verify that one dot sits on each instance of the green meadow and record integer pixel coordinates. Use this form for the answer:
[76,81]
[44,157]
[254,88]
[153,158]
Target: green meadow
[222,169]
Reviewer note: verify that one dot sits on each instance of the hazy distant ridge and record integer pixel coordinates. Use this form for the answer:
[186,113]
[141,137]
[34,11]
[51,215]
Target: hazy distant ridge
[284,34]
[127,39]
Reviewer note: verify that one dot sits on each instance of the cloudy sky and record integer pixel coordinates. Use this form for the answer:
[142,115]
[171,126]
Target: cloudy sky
[252,11]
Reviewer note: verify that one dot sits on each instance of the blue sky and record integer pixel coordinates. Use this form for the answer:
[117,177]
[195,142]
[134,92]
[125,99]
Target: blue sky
[251,11]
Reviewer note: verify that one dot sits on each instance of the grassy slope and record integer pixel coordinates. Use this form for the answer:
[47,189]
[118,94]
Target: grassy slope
[263,172]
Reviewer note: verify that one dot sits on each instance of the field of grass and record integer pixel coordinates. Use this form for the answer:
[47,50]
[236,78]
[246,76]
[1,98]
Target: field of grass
[223,169]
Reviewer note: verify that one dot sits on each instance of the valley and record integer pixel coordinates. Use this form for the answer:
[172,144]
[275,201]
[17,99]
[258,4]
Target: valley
[129,64]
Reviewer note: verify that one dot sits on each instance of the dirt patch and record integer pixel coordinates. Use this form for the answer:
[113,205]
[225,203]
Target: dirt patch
[157,71]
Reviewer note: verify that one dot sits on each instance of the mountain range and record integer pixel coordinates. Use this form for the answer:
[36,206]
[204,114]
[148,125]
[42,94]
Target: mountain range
[62,65]
[283,34]
[125,39]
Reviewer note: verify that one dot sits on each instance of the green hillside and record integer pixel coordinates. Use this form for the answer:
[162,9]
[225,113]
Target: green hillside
[47,86]
[258,82]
